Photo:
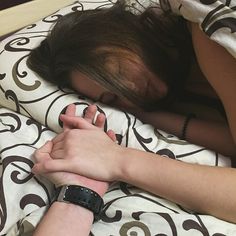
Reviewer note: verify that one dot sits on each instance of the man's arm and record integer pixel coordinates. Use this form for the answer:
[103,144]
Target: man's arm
[65,219]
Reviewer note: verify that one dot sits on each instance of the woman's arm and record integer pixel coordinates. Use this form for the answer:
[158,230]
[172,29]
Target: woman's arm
[219,67]
[210,134]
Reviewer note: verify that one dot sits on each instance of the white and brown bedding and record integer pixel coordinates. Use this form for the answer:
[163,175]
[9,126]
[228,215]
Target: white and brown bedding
[29,117]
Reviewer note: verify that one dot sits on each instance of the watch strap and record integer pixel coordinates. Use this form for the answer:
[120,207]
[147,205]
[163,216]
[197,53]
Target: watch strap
[80,196]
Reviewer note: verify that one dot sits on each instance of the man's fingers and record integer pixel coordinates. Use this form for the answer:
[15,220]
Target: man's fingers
[58,138]
[46,148]
[50,166]
[58,146]
[58,154]
[43,153]
[90,113]
[40,157]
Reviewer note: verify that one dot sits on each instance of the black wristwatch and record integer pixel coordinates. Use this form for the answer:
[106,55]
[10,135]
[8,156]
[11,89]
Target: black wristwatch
[80,196]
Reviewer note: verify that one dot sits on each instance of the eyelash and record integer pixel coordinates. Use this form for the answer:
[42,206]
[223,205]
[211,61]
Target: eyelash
[110,100]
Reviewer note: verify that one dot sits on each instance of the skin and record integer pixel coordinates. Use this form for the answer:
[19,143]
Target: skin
[139,79]
[214,195]
[91,153]
[62,218]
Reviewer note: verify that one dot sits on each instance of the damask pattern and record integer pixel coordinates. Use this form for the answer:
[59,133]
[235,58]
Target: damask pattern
[37,105]
[217,18]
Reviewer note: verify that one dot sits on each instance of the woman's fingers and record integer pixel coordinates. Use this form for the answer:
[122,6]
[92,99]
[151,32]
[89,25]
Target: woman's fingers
[90,116]
[111,135]
[90,113]
[100,121]
[82,123]
[70,111]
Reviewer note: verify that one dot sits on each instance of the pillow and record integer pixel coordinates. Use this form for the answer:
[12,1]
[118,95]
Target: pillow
[21,89]
[25,92]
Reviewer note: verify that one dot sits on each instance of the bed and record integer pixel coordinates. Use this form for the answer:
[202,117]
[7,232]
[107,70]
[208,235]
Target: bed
[29,113]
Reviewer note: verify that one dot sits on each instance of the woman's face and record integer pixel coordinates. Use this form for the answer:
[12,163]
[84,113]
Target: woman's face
[149,86]
[93,90]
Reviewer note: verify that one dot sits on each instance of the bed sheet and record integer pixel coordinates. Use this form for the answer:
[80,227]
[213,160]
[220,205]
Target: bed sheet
[128,210]
[24,197]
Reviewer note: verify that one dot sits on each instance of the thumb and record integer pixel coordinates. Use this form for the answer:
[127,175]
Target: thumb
[43,152]
[51,165]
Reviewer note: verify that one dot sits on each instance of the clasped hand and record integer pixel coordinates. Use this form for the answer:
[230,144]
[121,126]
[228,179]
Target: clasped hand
[83,154]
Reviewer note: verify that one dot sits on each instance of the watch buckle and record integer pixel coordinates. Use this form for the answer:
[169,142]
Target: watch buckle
[62,193]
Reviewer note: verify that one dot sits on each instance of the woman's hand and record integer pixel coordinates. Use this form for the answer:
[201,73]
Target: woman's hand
[45,154]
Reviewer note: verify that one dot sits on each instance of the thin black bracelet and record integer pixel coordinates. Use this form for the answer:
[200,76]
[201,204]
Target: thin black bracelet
[185,126]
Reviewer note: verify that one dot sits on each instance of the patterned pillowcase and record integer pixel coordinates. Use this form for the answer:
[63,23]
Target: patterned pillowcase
[20,88]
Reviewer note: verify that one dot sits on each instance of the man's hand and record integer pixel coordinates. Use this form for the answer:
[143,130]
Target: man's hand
[47,152]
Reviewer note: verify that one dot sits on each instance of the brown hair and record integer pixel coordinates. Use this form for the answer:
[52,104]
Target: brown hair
[161,41]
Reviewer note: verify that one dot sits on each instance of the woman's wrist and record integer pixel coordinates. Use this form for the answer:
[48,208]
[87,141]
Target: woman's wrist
[167,121]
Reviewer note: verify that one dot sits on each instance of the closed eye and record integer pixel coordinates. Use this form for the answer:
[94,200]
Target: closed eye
[108,98]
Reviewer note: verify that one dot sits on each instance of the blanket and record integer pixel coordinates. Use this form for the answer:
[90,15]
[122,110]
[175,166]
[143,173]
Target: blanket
[128,210]
[29,117]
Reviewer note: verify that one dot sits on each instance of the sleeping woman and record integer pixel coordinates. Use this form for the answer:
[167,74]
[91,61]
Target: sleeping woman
[145,64]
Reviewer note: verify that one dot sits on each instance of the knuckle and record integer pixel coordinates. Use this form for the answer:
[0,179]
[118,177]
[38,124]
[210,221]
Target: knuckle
[46,166]
[37,155]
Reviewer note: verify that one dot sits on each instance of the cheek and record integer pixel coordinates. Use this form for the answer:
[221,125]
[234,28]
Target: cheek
[126,105]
